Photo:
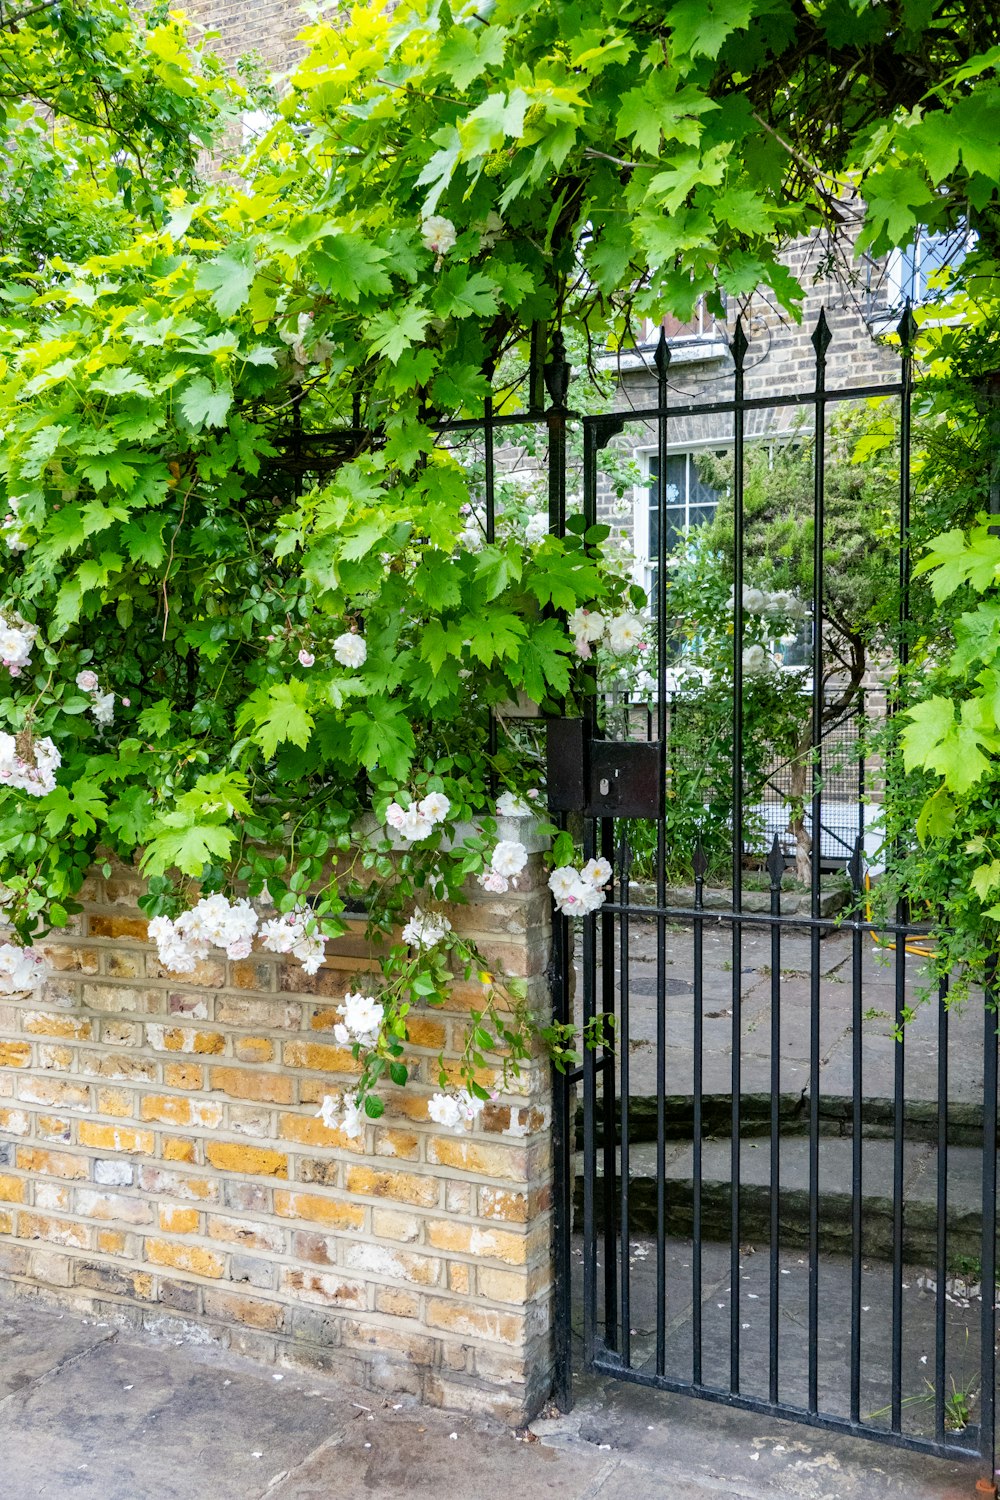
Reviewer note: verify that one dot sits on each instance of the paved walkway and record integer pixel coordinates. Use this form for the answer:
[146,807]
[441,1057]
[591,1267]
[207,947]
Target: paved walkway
[92,1412]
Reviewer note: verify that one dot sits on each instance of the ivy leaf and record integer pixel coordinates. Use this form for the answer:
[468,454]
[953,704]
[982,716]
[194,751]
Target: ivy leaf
[228,277]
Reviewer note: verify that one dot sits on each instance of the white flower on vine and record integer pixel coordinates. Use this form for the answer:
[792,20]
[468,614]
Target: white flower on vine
[103,708]
[414,826]
[494,883]
[306,658]
[508,858]
[757,662]
[624,634]
[395,815]
[425,929]
[537,528]
[350,649]
[510,805]
[434,806]
[471,537]
[597,872]
[37,776]
[361,1020]
[87,681]
[454,1110]
[587,624]
[20,969]
[438,234]
[562,881]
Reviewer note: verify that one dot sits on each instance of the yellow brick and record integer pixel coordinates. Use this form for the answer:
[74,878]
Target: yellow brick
[52,1196]
[388,1224]
[6,1223]
[119,927]
[12,1189]
[182,1075]
[53,1091]
[14,1054]
[185,1258]
[335,1213]
[400,1143]
[51,1055]
[422,1032]
[459,1276]
[239,1083]
[53,1128]
[57,1231]
[309,1130]
[111,1241]
[185,1039]
[402,1186]
[253,1049]
[497,1244]
[52,1163]
[169,1109]
[14,1122]
[502,1203]
[114,1102]
[176,1148]
[469,1156]
[319,1058]
[396,1302]
[253,1161]
[250,1310]
[116,1138]
[475,1322]
[45,1023]
[178,1220]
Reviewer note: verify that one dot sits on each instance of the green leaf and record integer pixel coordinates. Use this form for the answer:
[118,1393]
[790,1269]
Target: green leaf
[228,277]
[701,27]
[392,332]
[381,736]
[186,845]
[79,807]
[935,740]
[279,714]
[156,721]
[205,405]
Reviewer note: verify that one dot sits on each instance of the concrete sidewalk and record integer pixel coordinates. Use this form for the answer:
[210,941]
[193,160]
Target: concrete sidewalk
[89,1411]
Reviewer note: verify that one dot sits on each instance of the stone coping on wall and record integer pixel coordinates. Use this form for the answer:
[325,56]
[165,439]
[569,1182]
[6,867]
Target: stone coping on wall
[162,1161]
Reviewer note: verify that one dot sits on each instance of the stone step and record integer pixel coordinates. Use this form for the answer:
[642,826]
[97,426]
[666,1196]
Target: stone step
[920,1118]
[920,1218]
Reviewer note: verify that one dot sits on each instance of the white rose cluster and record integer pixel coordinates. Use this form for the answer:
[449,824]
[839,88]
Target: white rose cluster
[758,662]
[290,934]
[783,604]
[425,929]
[621,633]
[20,969]
[361,1019]
[577,892]
[213,922]
[506,863]
[102,705]
[36,775]
[420,819]
[17,638]
[454,1111]
[217,922]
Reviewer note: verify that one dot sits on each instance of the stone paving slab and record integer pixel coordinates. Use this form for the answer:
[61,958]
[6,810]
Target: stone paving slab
[95,1412]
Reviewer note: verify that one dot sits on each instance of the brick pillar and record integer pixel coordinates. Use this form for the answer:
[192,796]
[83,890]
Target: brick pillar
[161,1160]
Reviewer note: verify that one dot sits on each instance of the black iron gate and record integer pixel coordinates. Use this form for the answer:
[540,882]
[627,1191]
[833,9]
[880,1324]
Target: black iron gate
[780,1207]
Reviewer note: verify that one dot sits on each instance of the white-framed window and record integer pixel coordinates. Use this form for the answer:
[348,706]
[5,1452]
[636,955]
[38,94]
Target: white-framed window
[910,271]
[701,325]
[689,501]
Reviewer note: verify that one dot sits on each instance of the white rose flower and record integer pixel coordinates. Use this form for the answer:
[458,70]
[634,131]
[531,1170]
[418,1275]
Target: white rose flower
[438,234]
[362,1015]
[20,969]
[537,528]
[414,825]
[494,883]
[444,1110]
[395,815]
[509,858]
[471,538]
[587,624]
[597,872]
[103,708]
[754,601]
[562,881]
[510,805]
[425,929]
[434,806]
[350,649]
[87,682]
[353,1123]
[624,633]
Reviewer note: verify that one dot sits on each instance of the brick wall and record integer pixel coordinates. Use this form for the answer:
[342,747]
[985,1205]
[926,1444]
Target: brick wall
[161,1160]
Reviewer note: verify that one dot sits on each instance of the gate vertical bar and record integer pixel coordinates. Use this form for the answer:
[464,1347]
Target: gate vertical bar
[906,331]
[589,999]
[941,1266]
[557,379]
[739,350]
[821,343]
[988,1331]
[856,875]
[776,869]
[698,942]
[661,360]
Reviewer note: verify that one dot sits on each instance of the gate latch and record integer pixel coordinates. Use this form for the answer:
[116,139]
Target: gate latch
[626,779]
